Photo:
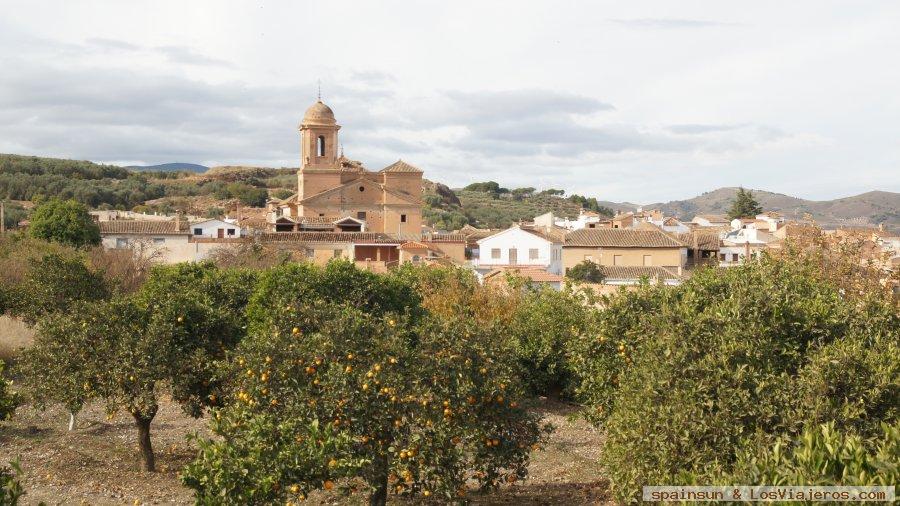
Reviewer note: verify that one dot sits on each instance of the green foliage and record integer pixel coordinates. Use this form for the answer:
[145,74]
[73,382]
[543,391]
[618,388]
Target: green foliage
[340,280]
[13,214]
[26,177]
[9,400]
[418,405]
[545,324]
[52,284]
[586,271]
[486,187]
[716,361]
[214,212]
[554,192]
[591,204]
[823,455]
[744,205]
[247,194]
[66,222]
[11,490]
[283,193]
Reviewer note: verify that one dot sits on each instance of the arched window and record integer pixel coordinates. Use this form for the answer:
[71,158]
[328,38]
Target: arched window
[320,146]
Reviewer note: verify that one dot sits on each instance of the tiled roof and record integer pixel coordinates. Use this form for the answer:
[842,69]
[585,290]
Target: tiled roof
[140,227]
[549,234]
[713,218]
[444,237]
[638,272]
[413,245]
[354,237]
[534,274]
[400,166]
[620,238]
[705,240]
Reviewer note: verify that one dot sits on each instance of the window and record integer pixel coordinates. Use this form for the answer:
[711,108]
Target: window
[648,260]
[362,188]
[198,231]
[121,243]
[533,254]
[159,240]
[402,218]
[734,257]
[337,253]
[361,215]
[320,146]
[231,231]
[321,214]
[495,253]
[416,258]
[722,257]
[617,259]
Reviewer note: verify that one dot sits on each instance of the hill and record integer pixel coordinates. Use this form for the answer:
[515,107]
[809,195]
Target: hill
[870,208]
[170,167]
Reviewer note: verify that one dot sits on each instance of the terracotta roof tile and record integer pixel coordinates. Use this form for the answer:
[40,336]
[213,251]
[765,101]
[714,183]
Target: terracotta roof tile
[620,238]
[354,237]
[142,227]
[401,166]
[706,240]
[637,272]
[534,274]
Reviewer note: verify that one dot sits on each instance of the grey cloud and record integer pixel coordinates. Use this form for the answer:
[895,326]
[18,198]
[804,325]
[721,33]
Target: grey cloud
[105,43]
[670,23]
[186,55]
[695,129]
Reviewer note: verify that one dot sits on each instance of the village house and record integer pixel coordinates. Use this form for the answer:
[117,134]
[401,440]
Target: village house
[616,275]
[336,194]
[169,241]
[519,245]
[626,248]
[533,275]
[742,243]
[710,220]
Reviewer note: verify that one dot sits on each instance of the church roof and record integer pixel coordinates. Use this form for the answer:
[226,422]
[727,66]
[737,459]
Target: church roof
[400,166]
[319,113]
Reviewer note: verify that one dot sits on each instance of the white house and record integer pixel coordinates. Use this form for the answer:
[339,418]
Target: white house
[215,229]
[741,243]
[671,225]
[586,219]
[515,246]
[710,220]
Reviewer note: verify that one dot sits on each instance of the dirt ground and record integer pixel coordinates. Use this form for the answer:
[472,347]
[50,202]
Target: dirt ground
[97,463]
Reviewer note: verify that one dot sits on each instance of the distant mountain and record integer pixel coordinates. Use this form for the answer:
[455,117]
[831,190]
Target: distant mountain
[870,208]
[170,167]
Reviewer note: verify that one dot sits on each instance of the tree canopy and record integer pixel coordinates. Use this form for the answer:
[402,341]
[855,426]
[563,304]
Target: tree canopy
[744,205]
[64,221]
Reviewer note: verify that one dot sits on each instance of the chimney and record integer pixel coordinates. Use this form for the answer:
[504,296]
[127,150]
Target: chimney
[177,221]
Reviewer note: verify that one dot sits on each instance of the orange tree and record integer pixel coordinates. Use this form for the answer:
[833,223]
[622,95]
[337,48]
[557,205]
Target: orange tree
[330,388]
[166,339]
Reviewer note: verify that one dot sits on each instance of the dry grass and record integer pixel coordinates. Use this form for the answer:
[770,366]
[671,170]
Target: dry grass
[14,335]
[98,463]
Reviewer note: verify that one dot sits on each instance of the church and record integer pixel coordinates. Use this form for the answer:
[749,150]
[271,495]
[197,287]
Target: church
[336,194]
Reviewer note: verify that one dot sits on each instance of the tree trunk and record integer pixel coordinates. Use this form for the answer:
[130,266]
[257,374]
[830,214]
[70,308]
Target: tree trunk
[379,482]
[72,421]
[148,461]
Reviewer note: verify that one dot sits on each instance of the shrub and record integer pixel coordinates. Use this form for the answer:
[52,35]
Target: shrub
[542,331]
[714,367]
[586,271]
[11,490]
[66,222]
[823,455]
[9,400]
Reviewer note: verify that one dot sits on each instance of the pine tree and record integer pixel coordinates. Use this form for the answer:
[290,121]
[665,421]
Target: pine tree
[744,205]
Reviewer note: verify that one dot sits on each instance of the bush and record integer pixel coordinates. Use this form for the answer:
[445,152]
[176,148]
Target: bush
[823,455]
[66,222]
[712,365]
[9,400]
[11,490]
[335,382]
[543,329]
[586,271]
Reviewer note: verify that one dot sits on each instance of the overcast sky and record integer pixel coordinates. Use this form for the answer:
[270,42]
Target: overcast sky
[625,101]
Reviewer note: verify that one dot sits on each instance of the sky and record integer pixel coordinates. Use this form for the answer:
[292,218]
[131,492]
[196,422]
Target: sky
[644,101]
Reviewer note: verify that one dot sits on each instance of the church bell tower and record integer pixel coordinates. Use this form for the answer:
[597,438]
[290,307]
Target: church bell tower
[319,138]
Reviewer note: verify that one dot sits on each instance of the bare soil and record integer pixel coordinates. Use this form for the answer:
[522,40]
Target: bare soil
[98,462]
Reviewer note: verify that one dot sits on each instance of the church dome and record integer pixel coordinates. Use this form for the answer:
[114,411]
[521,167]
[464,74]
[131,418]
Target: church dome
[319,113]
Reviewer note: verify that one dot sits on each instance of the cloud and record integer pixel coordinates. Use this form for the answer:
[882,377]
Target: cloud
[187,56]
[694,129]
[670,23]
